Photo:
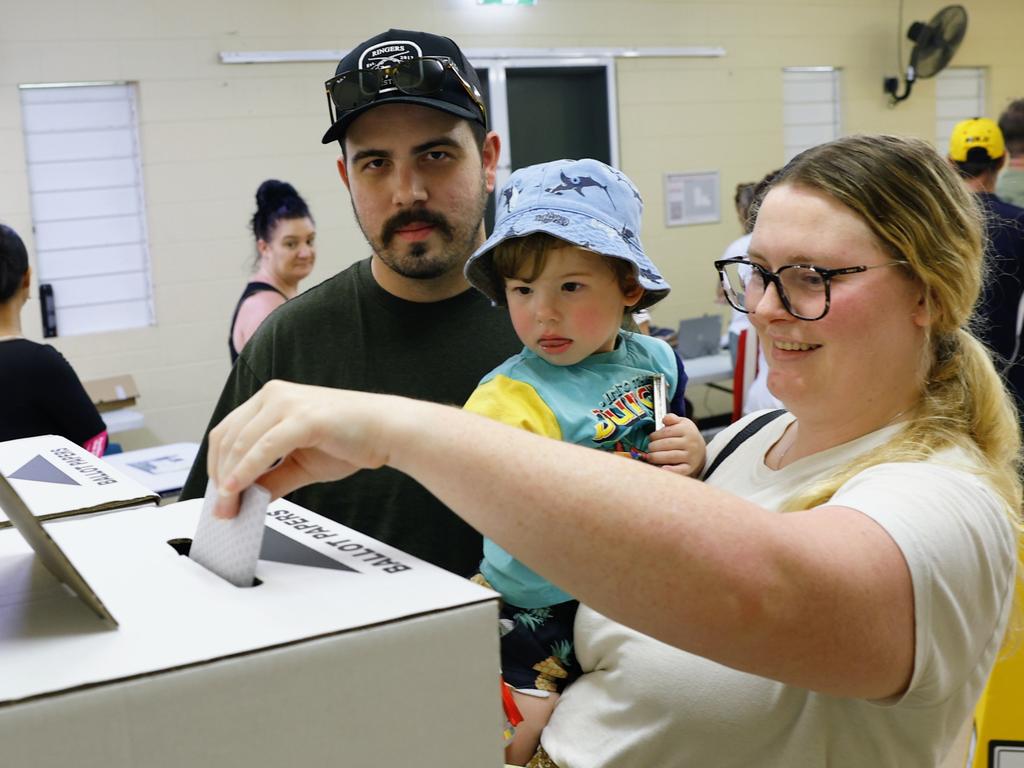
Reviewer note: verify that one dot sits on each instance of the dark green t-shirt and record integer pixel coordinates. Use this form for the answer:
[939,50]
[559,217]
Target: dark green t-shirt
[349,333]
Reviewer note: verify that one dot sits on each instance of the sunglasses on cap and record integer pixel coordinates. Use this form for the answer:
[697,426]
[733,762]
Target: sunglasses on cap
[414,77]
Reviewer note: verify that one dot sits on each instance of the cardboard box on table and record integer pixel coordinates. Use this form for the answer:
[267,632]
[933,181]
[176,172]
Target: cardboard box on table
[114,397]
[57,478]
[348,652]
[113,392]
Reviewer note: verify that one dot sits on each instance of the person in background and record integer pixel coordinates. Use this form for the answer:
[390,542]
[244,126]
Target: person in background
[285,254]
[836,591]
[419,164]
[738,321]
[977,151]
[1010,186]
[570,268]
[39,391]
[748,197]
[642,319]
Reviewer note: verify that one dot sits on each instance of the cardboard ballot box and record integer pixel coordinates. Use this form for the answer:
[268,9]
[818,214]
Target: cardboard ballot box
[57,478]
[346,652]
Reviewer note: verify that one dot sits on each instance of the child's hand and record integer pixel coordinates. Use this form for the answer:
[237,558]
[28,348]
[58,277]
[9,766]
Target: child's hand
[677,446]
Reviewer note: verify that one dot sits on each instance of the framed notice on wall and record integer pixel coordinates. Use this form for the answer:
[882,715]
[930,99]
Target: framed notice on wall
[691,198]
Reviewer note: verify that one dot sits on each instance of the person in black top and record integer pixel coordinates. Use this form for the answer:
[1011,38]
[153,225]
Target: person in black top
[285,254]
[39,392]
[978,151]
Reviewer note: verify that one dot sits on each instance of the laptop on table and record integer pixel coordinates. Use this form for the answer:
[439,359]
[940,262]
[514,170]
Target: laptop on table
[699,336]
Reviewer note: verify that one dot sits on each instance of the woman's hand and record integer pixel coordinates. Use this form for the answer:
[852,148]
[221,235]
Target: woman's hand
[290,435]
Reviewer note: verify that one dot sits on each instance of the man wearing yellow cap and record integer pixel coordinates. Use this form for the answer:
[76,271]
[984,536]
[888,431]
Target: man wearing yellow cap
[978,152]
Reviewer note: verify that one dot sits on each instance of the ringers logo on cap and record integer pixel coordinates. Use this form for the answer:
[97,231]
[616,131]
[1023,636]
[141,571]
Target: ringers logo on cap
[388,55]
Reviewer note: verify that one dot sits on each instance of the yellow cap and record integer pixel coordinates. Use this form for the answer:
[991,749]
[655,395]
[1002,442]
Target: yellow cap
[978,132]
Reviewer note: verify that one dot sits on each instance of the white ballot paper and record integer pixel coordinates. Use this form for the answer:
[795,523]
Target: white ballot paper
[659,385]
[231,547]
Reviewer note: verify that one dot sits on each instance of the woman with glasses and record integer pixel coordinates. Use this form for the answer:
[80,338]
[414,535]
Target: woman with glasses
[837,590]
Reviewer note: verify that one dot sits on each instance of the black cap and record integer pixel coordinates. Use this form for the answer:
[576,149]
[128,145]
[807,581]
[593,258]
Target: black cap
[395,45]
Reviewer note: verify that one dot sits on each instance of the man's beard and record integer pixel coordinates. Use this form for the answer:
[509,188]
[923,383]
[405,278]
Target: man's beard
[415,260]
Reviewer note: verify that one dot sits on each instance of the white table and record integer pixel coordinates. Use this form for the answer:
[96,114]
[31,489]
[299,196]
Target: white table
[163,468]
[708,369]
[122,420]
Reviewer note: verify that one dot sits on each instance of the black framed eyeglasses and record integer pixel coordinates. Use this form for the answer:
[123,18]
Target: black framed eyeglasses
[805,290]
[422,76]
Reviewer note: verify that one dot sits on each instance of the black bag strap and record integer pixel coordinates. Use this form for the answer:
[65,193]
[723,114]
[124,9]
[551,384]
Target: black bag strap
[740,437]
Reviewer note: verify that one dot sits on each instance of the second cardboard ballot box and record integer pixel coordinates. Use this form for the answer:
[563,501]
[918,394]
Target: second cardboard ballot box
[345,652]
[57,478]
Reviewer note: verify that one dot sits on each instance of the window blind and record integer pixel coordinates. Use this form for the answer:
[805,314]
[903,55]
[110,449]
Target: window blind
[810,108]
[88,210]
[959,95]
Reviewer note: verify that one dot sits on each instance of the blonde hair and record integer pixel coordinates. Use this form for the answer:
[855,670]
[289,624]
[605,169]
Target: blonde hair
[923,214]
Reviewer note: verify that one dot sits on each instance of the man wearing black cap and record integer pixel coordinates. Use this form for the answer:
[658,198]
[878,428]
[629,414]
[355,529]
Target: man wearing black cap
[419,164]
[977,150]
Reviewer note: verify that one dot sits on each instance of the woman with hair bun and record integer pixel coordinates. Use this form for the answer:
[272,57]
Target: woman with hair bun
[39,391]
[285,253]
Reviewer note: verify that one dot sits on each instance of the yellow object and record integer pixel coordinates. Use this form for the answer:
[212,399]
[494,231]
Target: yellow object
[998,739]
[515,403]
[979,132]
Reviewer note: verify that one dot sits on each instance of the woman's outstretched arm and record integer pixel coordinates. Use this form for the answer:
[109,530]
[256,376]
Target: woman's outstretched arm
[820,599]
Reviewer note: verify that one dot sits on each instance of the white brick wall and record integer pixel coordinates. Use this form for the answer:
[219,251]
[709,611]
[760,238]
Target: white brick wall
[210,133]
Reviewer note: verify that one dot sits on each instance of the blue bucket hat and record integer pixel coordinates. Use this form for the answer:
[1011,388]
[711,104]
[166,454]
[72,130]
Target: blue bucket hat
[584,202]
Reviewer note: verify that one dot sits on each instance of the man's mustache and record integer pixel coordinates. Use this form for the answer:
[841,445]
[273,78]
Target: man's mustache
[407,217]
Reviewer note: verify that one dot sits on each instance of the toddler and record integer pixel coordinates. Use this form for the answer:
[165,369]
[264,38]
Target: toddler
[566,259]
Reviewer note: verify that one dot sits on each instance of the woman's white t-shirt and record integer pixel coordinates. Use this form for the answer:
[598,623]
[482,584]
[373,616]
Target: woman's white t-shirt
[645,704]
